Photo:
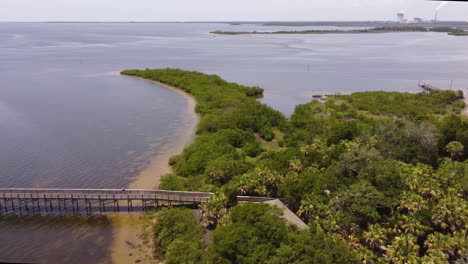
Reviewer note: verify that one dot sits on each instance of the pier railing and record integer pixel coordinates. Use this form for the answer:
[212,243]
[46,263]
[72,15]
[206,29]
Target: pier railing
[89,200]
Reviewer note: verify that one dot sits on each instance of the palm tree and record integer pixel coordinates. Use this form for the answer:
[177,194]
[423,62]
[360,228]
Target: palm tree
[431,189]
[403,249]
[213,210]
[451,213]
[435,258]
[295,165]
[317,145]
[455,150]
[439,244]
[375,236]
[450,246]
[310,208]
[409,224]
[411,202]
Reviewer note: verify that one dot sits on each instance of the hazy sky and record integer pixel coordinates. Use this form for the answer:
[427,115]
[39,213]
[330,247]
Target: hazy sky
[223,10]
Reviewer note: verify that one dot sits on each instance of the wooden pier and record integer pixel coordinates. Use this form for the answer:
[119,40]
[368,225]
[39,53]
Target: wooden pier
[88,201]
[428,87]
[15,200]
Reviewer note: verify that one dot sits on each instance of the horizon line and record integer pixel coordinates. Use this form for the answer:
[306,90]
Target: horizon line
[218,21]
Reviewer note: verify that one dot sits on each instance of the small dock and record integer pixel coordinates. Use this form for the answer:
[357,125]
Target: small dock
[15,200]
[428,87]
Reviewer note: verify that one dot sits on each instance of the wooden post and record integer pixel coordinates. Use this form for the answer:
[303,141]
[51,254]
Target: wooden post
[73,207]
[32,203]
[129,204]
[64,203]
[45,204]
[12,204]
[86,204]
[25,204]
[59,205]
[116,204]
[19,203]
[5,203]
[75,204]
[100,205]
[38,205]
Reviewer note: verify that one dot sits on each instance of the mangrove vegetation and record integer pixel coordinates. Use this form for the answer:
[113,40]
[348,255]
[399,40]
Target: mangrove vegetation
[379,177]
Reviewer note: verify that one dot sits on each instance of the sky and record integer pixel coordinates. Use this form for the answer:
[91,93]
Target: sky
[224,10]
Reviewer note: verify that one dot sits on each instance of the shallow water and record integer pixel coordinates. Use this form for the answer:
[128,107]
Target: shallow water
[67,119]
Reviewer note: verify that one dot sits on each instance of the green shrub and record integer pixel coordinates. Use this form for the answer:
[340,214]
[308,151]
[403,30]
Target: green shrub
[175,224]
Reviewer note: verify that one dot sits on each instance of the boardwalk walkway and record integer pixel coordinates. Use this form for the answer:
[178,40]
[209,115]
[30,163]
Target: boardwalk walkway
[89,200]
[62,201]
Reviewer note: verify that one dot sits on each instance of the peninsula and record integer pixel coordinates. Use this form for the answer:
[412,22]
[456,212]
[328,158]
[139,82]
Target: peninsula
[378,177]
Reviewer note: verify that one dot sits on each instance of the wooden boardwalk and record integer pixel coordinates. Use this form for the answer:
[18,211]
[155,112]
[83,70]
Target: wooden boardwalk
[428,87]
[77,201]
[14,200]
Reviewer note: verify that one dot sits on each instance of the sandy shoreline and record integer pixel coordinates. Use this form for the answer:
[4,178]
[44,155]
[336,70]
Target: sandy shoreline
[126,233]
[150,177]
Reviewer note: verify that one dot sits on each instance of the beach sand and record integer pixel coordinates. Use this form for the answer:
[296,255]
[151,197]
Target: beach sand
[127,246]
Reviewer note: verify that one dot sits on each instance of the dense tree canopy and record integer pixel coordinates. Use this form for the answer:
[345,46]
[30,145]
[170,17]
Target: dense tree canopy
[379,176]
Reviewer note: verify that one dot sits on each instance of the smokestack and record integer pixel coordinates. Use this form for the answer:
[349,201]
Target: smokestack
[401,17]
[440,6]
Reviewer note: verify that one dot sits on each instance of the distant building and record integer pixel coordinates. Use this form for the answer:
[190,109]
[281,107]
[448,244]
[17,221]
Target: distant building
[401,18]
[418,20]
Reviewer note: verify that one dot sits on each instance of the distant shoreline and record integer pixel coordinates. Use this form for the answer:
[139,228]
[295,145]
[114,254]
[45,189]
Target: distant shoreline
[295,23]
[376,30]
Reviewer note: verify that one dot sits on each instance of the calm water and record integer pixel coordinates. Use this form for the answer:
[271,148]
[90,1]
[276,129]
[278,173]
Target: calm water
[67,119]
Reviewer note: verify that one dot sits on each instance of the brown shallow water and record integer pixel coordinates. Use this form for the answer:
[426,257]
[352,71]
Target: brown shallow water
[67,239]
